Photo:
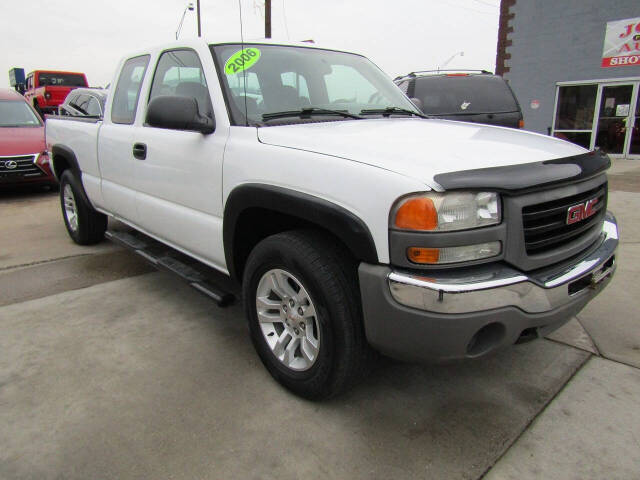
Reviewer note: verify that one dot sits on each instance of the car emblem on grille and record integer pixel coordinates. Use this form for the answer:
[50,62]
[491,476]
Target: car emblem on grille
[10,164]
[581,211]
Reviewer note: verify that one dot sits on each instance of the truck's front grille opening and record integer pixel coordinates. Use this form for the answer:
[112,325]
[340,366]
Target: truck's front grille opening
[552,224]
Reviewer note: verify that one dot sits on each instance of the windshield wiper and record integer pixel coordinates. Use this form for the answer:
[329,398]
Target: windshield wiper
[385,112]
[308,112]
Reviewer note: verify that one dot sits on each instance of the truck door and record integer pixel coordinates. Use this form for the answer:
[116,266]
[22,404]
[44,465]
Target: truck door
[179,176]
[115,141]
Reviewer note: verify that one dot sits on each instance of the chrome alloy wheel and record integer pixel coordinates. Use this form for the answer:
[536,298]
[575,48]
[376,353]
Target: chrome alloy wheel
[70,209]
[288,319]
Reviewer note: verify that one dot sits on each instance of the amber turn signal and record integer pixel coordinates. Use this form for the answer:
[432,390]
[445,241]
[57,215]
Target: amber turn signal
[520,123]
[417,214]
[423,255]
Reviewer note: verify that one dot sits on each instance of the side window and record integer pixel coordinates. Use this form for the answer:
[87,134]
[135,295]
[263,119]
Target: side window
[93,107]
[180,73]
[29,82]
[125,98]
[72,99]
[82,103]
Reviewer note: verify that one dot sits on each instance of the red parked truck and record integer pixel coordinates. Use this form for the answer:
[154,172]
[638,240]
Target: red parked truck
[48,89]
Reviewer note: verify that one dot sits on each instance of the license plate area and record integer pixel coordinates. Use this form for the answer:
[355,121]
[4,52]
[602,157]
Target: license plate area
[594,279]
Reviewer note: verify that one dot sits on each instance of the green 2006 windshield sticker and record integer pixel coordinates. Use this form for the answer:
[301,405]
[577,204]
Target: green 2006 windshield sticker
[241,60]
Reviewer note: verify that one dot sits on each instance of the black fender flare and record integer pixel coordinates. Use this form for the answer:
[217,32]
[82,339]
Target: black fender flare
[69,156]
[342,223]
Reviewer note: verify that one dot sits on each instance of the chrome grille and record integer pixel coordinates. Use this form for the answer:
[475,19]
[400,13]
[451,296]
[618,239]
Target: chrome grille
[545,224]
[24,167]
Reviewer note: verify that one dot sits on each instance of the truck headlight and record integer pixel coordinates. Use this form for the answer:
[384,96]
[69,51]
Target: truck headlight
[445,212]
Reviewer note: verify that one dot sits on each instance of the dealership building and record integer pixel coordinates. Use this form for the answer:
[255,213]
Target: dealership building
[574,66]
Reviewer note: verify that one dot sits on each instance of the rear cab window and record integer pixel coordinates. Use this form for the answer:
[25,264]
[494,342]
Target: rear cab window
[127,91]
[54,79]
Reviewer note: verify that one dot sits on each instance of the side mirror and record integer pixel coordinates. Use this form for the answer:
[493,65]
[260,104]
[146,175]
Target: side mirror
[417,102]
[178,113]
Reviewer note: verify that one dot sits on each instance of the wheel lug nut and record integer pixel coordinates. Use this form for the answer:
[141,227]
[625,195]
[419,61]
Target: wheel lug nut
[300,311]
[296,331]
[291,303]
[302,325]
[284,308]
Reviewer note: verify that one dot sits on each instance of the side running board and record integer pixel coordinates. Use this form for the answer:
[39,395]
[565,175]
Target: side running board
[197,275]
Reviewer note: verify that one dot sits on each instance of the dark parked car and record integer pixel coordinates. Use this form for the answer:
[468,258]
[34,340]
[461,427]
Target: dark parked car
[84,102]
[469,96]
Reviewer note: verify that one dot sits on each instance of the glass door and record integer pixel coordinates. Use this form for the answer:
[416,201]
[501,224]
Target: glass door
[634,129]
[616,118]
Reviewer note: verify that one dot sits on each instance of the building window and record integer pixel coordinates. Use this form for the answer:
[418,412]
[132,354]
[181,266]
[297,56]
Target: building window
[574,113]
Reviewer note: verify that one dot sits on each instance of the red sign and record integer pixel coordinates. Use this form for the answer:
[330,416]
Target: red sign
[622,43]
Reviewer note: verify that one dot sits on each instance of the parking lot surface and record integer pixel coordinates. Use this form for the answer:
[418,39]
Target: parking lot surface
[110,370]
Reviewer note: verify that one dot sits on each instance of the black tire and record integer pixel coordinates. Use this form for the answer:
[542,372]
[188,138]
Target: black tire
[329,274]
[90,225]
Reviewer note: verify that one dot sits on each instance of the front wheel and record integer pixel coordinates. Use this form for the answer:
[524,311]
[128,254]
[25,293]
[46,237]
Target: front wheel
[85,225]
[301,299]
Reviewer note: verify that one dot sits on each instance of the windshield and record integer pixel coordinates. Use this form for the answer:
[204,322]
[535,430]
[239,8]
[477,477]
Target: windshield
[61,80]
[288,79]
[16,113]
[464,95]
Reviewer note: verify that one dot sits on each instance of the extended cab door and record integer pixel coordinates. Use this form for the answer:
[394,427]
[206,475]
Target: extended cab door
[115,141]
[179,177]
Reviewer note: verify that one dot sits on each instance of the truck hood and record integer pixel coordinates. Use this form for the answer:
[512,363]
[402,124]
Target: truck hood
[420,148]
[21,140]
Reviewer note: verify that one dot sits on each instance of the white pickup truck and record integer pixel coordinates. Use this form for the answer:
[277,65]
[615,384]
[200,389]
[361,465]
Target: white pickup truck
[350,220]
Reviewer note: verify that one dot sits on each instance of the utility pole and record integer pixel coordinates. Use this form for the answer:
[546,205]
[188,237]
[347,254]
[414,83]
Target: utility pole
[198,13]
[267,18]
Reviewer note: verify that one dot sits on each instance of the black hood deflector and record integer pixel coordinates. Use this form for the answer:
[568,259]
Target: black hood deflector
[517,179]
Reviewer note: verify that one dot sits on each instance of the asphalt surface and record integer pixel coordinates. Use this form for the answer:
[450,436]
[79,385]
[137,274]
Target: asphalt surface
[110,370]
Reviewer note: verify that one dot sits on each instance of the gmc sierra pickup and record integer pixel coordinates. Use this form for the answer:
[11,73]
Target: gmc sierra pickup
[351,221]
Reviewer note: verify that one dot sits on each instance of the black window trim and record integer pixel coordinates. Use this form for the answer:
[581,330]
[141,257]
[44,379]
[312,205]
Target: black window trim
[144,75]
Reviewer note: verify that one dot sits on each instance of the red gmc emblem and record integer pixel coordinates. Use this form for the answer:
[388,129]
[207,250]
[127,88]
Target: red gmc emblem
[581,211]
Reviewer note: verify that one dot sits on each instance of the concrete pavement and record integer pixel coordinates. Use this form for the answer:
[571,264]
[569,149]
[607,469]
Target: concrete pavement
[589,431]
[145,378]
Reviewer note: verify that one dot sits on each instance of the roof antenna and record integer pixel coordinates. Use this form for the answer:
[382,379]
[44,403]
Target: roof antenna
[244,73]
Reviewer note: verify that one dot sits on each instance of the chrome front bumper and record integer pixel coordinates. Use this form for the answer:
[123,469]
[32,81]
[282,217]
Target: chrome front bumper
[487,287]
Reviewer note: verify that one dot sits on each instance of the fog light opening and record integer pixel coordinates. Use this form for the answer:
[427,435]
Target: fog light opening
[486,339]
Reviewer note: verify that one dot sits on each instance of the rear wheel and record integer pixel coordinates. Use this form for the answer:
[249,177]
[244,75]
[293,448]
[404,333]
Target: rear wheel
[301,298]
[85,225]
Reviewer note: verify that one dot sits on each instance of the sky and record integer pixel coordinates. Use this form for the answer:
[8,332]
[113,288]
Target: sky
[400,36]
